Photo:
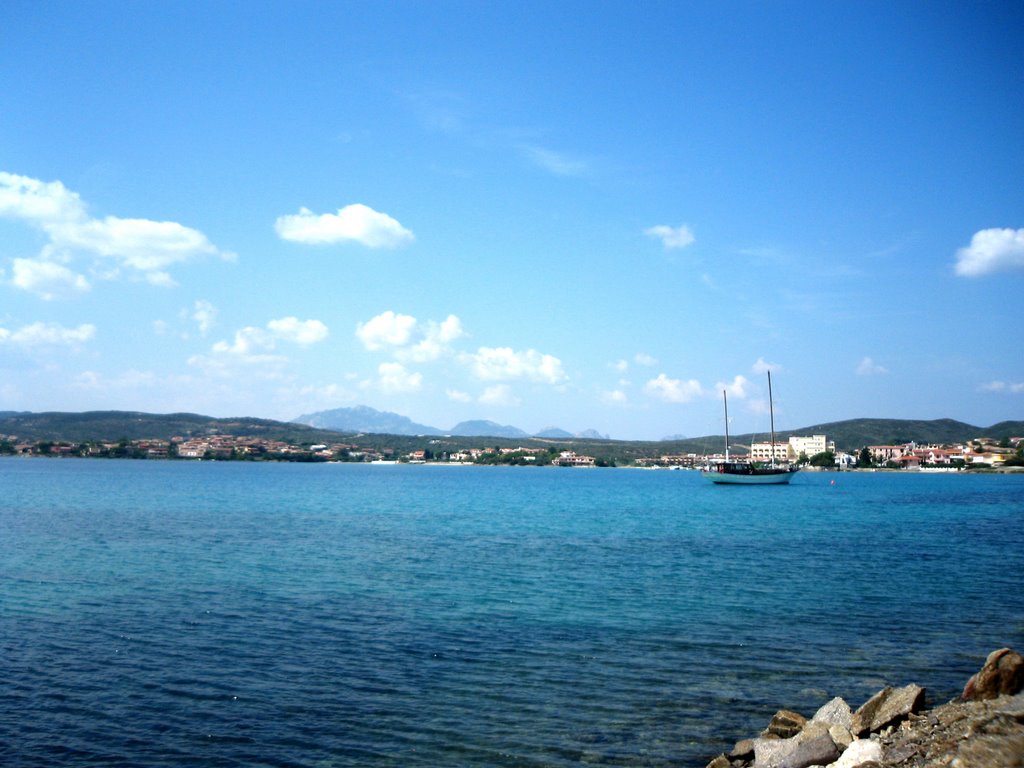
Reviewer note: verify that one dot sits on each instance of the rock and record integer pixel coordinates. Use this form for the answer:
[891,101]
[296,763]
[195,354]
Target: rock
[886,707]
[769,753]
[744,750]
[812,746]
[1003,673]
[835,712]
[720,762]
[785,724]
[1014,708]
[859,752]
[840,735]
[820,750]
[991,751]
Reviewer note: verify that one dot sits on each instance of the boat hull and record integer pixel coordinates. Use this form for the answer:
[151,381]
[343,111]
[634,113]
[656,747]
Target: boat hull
[780,477]
[721,479]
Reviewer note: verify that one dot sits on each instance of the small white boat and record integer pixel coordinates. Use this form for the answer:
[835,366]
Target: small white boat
[730,472]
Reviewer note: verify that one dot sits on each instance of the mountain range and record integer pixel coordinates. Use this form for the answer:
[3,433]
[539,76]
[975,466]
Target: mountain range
[362,418]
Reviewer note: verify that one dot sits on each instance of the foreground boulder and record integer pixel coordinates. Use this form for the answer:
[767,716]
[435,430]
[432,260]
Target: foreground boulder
[1002,674]
[785,724]
[887,707]
[812,746]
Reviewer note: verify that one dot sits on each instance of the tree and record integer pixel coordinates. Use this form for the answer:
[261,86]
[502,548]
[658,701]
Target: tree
[864,460]
[823,459]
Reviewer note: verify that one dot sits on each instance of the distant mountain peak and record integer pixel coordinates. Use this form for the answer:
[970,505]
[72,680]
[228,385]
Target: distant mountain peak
[554,433]
[485,428]
[362,418]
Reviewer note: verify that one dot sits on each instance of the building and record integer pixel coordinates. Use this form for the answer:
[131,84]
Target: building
[763,452]
[880,454]
[810,446]
[570,459]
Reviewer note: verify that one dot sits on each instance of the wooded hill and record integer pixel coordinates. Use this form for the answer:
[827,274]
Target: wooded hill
[850,435]
[132,425]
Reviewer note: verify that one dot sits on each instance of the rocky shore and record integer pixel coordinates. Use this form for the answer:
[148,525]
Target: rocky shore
[983,728]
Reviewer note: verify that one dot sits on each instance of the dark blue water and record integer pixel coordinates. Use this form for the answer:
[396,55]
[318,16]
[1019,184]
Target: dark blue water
[172,613]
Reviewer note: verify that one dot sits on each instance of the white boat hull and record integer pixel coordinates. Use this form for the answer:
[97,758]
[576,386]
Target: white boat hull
[728,478]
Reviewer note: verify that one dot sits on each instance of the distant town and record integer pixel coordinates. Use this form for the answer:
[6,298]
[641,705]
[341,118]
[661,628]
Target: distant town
[815,451]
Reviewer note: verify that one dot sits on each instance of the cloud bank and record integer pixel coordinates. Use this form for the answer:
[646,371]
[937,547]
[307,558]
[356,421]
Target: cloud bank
[141,248]
[47,334]
[253,346]
[505,364]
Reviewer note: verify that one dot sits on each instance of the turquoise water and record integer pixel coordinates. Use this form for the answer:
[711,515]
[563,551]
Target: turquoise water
[230,614]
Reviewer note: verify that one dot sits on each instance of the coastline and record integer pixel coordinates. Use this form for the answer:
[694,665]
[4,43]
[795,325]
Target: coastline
[981,728]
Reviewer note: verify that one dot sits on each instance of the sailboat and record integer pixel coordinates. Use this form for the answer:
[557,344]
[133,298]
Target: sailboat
[746,472]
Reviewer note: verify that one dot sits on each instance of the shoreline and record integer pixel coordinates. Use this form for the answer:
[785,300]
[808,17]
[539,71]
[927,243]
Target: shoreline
[981,728]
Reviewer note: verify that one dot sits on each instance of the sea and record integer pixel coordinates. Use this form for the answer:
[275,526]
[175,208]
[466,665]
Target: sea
[174,613]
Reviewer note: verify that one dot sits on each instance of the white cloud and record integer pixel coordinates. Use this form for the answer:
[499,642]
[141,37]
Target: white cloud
[48,334]
[205,315]
[991,250]
[408,339]
[142,247]
[353,223]
[1011,388]
[504,363]
[301,332]
[386,330]
[673,390]
[868,367]
[761,366]
[642,358]
[620,365]
[395,378]
[247,345]
[436,341]
[257,346]
[671,237]
[47,279]
[614,397]
[37,201]
[499,394]
[738,389]
[558,163]
[457,396]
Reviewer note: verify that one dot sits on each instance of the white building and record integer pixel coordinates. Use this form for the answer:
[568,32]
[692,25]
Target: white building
[810,446]
[788,452]
[763,452]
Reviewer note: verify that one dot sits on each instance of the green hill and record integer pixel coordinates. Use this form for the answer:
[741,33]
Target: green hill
[114,425]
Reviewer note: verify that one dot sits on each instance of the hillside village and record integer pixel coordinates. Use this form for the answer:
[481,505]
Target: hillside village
[814,451]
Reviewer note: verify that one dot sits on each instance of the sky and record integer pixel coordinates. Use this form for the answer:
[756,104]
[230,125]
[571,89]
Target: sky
[587,215]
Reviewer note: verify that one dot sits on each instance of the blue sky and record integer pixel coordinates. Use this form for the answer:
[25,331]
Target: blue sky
[584,215]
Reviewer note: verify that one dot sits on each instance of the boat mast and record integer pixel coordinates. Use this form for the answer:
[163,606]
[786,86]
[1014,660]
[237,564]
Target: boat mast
[771,412]
[725,402]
